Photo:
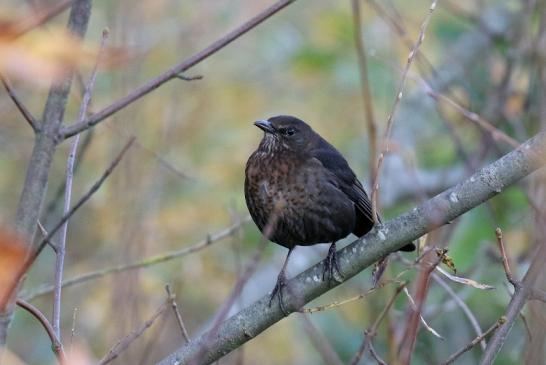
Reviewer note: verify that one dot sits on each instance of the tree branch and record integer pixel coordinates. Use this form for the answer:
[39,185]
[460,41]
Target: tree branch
[371,123]
[142,263]
[174,72]
[61,248]
[19,104]
[390,119]
[126,341]
[55,342]
[474,342]
[523,291]
[35,185]
[382,240]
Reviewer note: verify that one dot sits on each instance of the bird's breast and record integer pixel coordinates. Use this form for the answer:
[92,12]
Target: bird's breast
[300,198]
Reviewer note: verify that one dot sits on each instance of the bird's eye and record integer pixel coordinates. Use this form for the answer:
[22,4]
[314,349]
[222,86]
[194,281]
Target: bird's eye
[287,131]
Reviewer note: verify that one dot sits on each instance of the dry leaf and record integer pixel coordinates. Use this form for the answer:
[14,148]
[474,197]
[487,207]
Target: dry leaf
[12,258]
[464,281]
[414,307]
[42,55]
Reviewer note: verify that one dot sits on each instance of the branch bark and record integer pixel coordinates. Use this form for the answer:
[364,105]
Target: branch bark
[35,185]
[382,240]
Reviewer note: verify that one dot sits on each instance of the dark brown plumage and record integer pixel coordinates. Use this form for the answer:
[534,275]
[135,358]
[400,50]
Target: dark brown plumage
[301,191]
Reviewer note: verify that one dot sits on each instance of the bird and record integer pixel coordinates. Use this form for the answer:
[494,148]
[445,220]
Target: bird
[300,191]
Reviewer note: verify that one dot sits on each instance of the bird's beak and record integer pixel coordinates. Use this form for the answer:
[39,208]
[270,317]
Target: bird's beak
[265,126]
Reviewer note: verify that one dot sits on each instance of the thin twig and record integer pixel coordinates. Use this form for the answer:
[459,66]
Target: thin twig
[370,333]
[61,248]
[339,303]
[374,354]
[366,94]
[390,118]
[59,193]
[126,341]
[475,341]
[410,334]
[174,71]
[43,232]
[96,186]
[496,133]
[19,104]
[505,263]
[150,261]
[241,281]
[466,310]
[32,256]
[55,343]
[522,293]
[172,300]
[320,342]
[396,24]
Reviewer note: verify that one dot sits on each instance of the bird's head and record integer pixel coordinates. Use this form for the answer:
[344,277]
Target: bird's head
[285,133]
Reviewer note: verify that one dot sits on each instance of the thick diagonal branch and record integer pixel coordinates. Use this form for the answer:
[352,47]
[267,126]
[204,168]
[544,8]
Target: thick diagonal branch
[389,237]
[175,71]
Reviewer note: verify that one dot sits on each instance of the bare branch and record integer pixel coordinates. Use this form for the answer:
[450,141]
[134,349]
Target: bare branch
[522,293]
[43,232]
[150,261]
[412,325]
[339,303]
[33,255]
[366,94]
[35,184]
[175,71]
[382,240]
[474,342]
[320,342]
[370,333]
[125,342]
[484,124]
[466,310]
[505,264]
[96,186]
[374,354]
[55,342]
[19,104]
[172,300]
[390,118]
[61,248]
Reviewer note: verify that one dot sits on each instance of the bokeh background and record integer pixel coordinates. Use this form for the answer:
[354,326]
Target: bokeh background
[183,178]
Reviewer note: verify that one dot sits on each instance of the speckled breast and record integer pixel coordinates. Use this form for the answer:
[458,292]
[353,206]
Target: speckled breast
[298,199]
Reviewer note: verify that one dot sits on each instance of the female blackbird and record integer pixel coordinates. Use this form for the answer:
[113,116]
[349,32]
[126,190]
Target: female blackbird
[301,191]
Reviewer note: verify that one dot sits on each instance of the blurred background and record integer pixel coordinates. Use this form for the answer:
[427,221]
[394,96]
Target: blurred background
[182,180]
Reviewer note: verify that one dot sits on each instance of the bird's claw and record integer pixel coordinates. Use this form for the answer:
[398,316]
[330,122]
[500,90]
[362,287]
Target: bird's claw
[331,266]
[277,292]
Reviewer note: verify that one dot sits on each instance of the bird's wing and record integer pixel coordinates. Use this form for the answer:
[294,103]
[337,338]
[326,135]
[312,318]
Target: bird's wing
[332,160]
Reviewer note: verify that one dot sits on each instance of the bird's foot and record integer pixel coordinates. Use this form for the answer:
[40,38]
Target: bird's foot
[277,292]
[331,266]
